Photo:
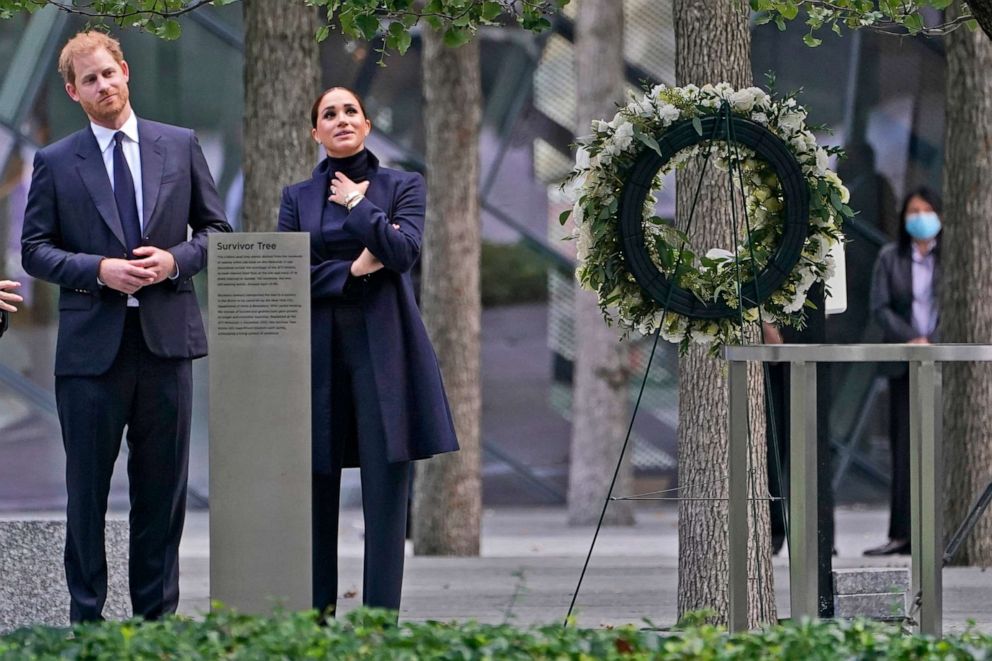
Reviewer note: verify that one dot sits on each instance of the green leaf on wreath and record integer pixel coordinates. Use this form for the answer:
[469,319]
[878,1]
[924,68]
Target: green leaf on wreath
[665,254]
[649,141]
[698,125]
[563,216]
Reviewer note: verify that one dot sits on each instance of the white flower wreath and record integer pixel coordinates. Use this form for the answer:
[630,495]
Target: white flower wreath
[603,165]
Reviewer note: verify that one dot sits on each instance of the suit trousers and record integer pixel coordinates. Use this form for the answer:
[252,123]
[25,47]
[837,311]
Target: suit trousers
[357,418]
[899,510]
[151,396]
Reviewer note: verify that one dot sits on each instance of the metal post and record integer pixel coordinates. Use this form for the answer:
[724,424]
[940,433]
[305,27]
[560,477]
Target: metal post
[929,497]
[803,546]
[915,522]
[737,506]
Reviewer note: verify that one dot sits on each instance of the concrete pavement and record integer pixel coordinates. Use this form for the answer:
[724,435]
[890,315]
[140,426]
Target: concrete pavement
[531,560]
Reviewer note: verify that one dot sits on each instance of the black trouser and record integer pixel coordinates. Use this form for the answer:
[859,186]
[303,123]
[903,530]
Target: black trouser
[152,397]
[899,512]
[357,419]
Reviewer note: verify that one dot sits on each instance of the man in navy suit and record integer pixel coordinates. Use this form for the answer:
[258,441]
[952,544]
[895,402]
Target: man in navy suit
[108,219]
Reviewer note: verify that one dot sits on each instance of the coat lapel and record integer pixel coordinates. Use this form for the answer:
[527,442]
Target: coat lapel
[312,198]
[94,175]
[906,278]
[152,166]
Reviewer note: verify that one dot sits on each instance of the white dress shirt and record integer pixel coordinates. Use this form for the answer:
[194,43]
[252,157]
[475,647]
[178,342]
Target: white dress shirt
[105,140]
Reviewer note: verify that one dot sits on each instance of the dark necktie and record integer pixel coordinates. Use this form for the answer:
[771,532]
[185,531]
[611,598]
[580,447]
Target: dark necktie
[127,206]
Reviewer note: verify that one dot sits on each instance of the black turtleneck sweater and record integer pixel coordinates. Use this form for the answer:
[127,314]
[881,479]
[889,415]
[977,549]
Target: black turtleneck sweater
[340,243]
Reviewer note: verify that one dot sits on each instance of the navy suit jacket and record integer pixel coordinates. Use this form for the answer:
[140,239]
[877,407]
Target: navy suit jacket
[415,412]
[71,223]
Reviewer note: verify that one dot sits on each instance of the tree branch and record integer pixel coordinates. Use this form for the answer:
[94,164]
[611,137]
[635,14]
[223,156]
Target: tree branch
[71,8]
[831,12]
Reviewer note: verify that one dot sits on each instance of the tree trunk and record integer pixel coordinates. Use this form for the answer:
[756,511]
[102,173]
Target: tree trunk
[448,494]
[966,311]
[282,77]
[599,402]
[713,45]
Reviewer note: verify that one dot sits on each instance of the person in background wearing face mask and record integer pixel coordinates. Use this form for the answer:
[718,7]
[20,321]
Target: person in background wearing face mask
[903,300]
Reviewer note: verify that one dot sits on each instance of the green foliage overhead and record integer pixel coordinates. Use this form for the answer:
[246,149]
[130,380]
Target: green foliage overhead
[371,635]
[893,16]
[357,19]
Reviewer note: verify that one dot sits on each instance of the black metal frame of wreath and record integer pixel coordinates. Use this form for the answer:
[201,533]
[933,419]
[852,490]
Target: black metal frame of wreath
[683,135]
[723,126]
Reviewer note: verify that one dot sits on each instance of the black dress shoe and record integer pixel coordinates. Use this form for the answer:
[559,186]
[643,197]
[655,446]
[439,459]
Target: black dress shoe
[891,547]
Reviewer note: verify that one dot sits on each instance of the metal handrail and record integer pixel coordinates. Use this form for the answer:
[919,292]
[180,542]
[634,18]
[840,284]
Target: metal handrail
[859,353]
[925,412]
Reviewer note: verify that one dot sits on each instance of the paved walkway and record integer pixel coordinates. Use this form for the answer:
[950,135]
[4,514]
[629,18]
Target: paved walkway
[531,560]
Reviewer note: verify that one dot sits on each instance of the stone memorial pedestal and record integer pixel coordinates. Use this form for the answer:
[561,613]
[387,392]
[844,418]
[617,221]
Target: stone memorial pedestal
[260,527]
[32,574]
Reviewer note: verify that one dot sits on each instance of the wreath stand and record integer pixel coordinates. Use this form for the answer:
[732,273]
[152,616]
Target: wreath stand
[735,131]
[925,361]
[926,468]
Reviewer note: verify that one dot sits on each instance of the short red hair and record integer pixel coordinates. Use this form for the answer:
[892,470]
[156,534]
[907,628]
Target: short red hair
[84,43]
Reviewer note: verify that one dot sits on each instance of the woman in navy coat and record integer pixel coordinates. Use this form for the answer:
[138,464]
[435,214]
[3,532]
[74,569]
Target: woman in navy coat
[378,400]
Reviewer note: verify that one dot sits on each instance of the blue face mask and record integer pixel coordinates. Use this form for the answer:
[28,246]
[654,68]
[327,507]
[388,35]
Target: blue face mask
[923,225]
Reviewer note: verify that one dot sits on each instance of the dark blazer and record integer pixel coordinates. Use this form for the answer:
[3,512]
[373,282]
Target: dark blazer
[3,322]
[891,298]
[415,410]
[71,223]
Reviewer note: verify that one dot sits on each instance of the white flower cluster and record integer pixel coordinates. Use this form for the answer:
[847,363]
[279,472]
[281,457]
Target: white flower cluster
[604,161]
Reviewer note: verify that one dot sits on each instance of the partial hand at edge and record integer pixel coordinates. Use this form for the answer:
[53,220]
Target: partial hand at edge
[7,297]
[124,276]
[772,334]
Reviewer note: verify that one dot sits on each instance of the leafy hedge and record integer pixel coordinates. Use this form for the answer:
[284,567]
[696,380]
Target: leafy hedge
[512,273]
[365,634]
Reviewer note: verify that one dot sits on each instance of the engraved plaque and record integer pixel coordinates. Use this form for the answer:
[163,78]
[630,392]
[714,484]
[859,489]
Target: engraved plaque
[260,526]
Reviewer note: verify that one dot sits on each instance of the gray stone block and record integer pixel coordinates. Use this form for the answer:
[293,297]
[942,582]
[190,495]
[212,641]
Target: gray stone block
[871,580]
[32,574]
[881,606]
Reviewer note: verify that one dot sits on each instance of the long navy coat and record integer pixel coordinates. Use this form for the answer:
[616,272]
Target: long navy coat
[415,412]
